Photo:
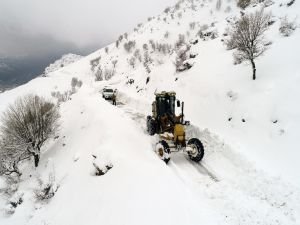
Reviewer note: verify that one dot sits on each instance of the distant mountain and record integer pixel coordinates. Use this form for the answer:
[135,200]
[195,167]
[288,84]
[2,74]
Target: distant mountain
[17,71]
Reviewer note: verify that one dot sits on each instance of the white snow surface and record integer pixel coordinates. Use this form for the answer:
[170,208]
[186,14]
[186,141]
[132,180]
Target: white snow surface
[250,171]
[65,60]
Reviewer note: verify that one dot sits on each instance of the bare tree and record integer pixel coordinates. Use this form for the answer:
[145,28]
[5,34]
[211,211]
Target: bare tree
[99,74]
[243,3]
[26,126]
[95,62]
[132,61]
[108,73]
[114,62]
[247,37]
[128,46]
[137,55]
[218,5]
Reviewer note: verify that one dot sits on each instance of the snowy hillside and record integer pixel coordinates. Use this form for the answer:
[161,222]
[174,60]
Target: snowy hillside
[250,129]
[62,62]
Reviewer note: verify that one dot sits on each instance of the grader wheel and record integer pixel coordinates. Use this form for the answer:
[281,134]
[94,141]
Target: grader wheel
[163,151]
[196,151]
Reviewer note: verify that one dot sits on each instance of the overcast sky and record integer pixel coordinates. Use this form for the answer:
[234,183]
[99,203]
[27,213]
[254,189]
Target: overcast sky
[33,27]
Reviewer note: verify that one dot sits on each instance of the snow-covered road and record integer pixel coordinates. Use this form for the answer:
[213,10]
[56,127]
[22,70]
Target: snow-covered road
[240,193]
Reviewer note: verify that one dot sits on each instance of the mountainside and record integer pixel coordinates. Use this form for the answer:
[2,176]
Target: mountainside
[62,62]
[249,174]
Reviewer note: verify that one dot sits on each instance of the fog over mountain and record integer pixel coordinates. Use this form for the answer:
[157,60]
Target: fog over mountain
[35,33]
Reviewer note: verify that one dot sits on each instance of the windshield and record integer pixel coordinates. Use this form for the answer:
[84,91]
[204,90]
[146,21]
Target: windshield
[108,90]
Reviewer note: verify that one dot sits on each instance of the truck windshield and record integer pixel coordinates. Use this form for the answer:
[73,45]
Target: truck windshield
[108,90]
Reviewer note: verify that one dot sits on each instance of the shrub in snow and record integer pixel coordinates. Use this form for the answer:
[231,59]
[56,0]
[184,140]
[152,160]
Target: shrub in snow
[163,48]
[137,55]
[114,63]
[228,9]
[95,62]
[126,36]
[61,97]
[145,47]
[247,38]
[117,43]
[268,3]
[120,38]
[205,33]
[46,188]
[147,61]
[8,161]
[152,44]
[11,185]
[166,35]
[167,10]
[13,203]
[128,46]
[192,25]
[99,74]
[130,81]
[79,83]
[218,5]
[182,55]
[204,27]
[287,27]
[106,50]
[177,6]
[26,126]
[132,61]
[243,3]
[180,42]
[179,15]
[108,73]
[74,82]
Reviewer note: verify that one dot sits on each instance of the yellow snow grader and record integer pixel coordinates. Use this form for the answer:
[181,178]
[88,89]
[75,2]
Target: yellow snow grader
[171,128]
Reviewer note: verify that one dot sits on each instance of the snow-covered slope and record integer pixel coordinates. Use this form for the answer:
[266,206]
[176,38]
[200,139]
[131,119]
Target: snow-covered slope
[62,62]
[249,174]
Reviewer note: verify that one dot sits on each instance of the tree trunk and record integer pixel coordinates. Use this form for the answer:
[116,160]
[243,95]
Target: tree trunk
[253,69]
[36,159]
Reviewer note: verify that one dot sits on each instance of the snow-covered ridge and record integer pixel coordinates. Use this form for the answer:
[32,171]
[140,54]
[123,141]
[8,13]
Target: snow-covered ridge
[65,60]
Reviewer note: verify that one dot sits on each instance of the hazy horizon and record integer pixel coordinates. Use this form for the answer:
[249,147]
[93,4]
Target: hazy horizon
[34,33]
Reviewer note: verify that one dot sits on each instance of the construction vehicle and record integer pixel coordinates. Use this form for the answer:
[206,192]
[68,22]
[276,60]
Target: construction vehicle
[171,129]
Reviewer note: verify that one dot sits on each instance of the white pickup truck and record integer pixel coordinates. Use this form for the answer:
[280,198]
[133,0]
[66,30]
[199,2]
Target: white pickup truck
[108,92]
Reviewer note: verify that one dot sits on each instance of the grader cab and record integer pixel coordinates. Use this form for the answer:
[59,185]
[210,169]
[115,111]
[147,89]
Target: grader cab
[171,128]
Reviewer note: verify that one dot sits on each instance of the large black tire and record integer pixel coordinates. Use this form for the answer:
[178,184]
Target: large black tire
[151,126]
[167,151]
[196,143]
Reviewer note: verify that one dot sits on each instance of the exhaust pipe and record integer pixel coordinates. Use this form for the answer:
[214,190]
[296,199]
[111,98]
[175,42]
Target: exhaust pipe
[182,108]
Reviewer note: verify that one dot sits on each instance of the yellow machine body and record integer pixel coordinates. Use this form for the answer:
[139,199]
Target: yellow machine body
[179,134]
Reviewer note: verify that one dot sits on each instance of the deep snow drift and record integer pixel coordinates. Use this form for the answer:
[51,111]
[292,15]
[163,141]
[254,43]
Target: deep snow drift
[250,170]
